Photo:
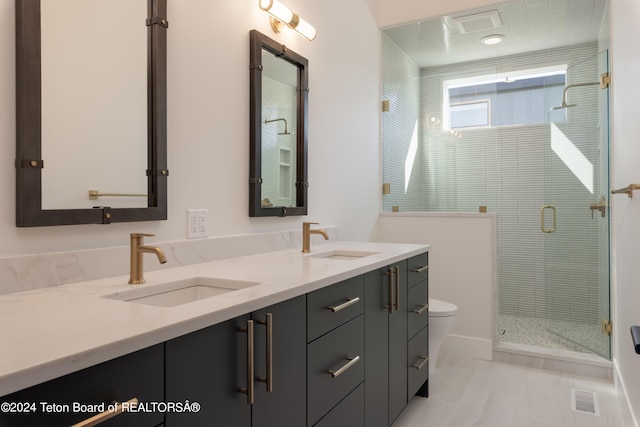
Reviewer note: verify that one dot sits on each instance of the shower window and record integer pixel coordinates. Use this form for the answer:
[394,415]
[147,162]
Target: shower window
[518,98]
[470,114]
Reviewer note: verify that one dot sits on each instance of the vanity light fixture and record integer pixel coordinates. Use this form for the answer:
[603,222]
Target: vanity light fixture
[282,15]
[492,39]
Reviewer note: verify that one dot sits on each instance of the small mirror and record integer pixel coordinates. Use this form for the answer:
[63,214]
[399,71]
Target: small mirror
[91,112]
[279,95]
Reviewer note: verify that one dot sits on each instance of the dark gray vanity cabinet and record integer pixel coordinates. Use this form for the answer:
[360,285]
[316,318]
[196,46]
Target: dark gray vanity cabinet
[418,321]
[90,392]
[211,366]
[350,354]
[386,344]
[336,354]
[396,338]
[208,366]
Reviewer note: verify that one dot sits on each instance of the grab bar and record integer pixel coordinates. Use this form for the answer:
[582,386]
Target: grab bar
[94,194]
[628,190]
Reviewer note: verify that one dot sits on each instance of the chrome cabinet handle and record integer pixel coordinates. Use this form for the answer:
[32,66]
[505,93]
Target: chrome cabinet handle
[349,302]
[250,389]
[104,416]
[391,286]
[269,378]
[420,365]
[421,310]
[352,361]
[420,269]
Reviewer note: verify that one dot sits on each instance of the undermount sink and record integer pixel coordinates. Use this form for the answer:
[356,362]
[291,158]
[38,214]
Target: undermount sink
[342,254]
[179,292]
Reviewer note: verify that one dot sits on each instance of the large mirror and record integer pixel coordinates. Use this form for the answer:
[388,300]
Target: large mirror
[279,95]
[91,111]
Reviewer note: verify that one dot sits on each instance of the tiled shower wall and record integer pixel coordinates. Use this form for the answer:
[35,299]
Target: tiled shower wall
[278,151]
[510,170]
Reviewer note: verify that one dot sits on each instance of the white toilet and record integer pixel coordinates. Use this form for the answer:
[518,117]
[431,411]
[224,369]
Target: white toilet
[441,316]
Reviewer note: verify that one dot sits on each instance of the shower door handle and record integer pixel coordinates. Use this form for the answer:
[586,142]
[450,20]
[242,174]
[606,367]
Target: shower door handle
[542,212]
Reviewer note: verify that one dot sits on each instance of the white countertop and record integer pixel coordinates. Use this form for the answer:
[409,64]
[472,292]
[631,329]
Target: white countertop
[54,331]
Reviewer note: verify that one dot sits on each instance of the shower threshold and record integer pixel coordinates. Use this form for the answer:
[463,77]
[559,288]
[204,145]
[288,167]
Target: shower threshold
[525,341]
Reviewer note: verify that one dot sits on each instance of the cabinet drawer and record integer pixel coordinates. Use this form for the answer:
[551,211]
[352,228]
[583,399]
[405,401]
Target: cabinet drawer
[335,366]
[418,307]
[348,413]
[418,358]
[418,269]
[137,375]
[334,305]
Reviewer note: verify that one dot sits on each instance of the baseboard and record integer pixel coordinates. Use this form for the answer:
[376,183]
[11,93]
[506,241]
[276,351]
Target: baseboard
[619,382]
[459,345]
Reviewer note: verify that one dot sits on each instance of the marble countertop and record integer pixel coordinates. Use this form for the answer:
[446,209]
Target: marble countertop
[54,331]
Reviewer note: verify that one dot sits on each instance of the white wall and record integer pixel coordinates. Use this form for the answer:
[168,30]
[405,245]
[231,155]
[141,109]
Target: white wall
[208,124]
[625,31]
[462,263]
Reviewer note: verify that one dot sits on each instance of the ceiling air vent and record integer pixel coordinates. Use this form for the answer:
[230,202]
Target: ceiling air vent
[478,22]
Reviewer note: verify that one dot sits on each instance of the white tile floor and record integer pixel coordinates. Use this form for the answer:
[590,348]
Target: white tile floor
[470,392]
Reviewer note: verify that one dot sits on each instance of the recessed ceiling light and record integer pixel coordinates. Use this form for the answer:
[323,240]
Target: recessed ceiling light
[492,39]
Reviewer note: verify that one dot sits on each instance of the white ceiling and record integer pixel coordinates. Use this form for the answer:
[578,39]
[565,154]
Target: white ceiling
[528,25]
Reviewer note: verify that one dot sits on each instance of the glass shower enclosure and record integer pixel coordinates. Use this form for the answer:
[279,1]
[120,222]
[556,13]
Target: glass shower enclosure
[574,218]
[547,181]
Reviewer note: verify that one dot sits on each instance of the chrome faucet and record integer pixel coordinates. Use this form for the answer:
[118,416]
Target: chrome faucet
[137,249]
[306,236]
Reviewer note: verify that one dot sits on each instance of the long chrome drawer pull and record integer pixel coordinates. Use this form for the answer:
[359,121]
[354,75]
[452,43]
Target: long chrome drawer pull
[352,361]
[421,310]
[397,271]
[391,286]
[104,416]
[420,365]
[350,302]
[269,379]
[421,269]
[250,389]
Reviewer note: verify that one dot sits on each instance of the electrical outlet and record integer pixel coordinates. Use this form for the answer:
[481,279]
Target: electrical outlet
[197,223]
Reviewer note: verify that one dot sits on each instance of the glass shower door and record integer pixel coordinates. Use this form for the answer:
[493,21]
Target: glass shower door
[575,216]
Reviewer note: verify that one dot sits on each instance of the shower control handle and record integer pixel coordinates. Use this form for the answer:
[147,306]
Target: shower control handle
[600,206]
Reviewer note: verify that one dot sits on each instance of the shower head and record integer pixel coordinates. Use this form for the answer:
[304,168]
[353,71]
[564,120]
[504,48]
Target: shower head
[566,89]
[286,130]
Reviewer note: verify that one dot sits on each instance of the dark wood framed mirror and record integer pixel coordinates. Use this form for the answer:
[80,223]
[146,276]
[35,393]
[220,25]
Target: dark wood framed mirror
[279,97]
[151,145]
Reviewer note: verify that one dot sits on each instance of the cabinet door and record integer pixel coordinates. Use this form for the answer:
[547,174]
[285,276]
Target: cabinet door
[285,405]
[398,344]
[386,344]
[209,366]
[376,338]
[136,375]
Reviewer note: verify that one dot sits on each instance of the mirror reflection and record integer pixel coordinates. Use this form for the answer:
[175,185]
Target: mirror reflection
[101,78]
[279,82]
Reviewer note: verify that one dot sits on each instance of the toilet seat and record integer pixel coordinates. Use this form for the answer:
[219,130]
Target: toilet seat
[439,308]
